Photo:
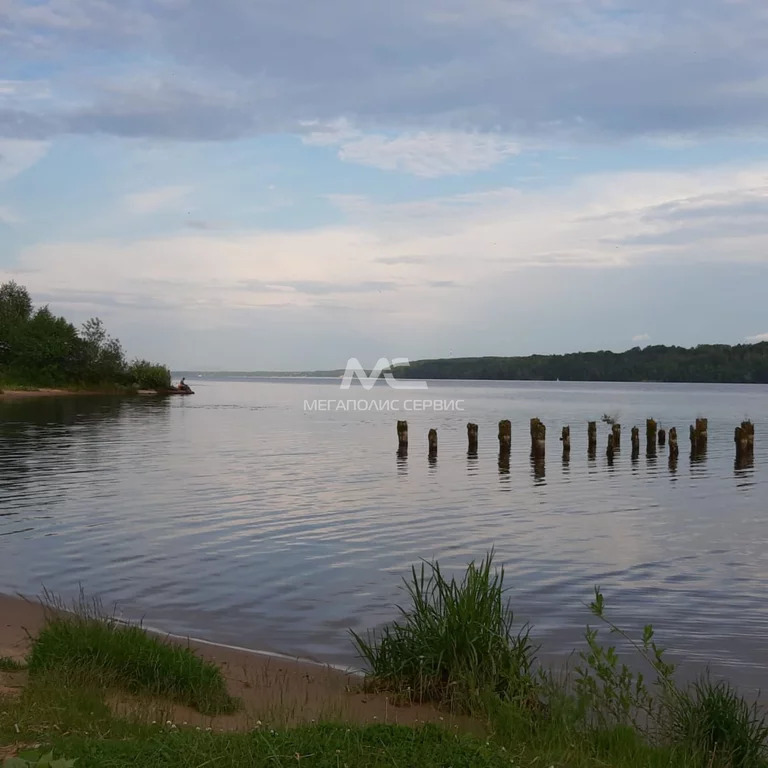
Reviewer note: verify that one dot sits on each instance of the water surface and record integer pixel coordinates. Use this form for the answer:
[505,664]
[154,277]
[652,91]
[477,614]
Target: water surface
[238,516]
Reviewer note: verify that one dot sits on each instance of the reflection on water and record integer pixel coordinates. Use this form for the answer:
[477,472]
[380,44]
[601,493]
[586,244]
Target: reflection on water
[539,469]
[183,512]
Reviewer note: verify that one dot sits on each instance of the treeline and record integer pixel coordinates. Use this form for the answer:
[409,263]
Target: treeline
[717,363]
[39,349]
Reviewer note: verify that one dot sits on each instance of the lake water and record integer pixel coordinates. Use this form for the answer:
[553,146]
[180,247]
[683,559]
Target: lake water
[238,516]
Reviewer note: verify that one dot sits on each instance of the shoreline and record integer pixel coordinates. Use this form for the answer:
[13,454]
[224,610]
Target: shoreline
[24,394]
[274,688]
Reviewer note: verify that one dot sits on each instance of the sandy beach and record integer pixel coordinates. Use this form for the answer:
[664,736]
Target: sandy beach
[273,690]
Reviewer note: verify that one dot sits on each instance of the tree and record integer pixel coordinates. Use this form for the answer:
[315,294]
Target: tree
[15,304]
[104,360]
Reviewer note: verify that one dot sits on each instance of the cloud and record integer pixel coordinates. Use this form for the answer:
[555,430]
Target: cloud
[757,338]
[390,258]
[8,216]
[158,199]
[533,69]
[426,154]
[641,337]
[18,155]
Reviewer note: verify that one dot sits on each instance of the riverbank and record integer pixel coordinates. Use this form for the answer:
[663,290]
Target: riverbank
[98,692]
[272,689]
[25,394]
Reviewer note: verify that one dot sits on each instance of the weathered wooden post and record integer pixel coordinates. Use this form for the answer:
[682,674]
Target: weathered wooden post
[616,431]
[472,439]
[699,438]
[538,438]
[662,437]
[565,437]
[673,448]
[505,445]
[650,436]
[432,440]
[505,436]
[611,447]
[592,438]
[635,442]
[402,438]
[745,443]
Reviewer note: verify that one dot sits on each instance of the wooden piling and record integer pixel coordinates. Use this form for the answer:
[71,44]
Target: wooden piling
[673,447]
[698,434]
[745,442]
[611,447]
[538,438]
[662,437]
[432,440]
[616,431]
[505,436]
[650,436]
[472,439]
[402,438]
[592,438]
[635,442]
[565,438]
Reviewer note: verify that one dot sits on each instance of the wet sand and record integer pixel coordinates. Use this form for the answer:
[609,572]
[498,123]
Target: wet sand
[274,691]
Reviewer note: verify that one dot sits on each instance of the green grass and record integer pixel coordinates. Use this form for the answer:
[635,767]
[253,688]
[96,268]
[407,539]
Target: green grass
[10,665]
[120,656]
[320,746]
[714,721]
[455,644]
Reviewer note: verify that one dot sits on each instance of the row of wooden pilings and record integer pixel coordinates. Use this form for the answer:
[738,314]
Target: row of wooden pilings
[744,438]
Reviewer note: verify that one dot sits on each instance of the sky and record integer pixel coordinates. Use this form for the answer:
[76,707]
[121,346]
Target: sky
[275,185]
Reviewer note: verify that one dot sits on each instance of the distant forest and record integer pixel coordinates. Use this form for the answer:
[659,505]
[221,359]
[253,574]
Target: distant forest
[717,363]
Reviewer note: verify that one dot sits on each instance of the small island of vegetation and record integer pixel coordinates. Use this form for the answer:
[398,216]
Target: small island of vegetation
[39,349]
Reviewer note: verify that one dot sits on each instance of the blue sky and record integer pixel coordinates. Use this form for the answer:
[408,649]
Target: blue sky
[260,185]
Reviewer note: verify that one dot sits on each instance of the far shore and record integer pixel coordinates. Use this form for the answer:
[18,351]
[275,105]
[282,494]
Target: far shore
[272,688]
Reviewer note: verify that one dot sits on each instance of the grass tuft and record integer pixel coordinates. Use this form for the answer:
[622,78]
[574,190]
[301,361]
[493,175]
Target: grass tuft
[7,664]
[112,654]
[714,722]
[455,644]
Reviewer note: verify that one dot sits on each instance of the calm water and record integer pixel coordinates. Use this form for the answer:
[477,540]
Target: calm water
[236,516]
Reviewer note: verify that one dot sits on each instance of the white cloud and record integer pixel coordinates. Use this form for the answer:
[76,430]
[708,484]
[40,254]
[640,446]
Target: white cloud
[157,199]
[8,216]
[758,337]
[396,257]
[640,337]
[428,154]
[17,155]
[23,89]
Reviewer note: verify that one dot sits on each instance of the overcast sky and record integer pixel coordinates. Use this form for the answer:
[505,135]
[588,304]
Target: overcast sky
[284,184]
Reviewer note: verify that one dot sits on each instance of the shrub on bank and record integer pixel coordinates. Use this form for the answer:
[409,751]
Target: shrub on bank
[455,644]
[145,375]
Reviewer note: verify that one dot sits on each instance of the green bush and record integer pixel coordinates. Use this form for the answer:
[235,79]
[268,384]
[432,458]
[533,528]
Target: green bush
[146,375]
[455,644]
